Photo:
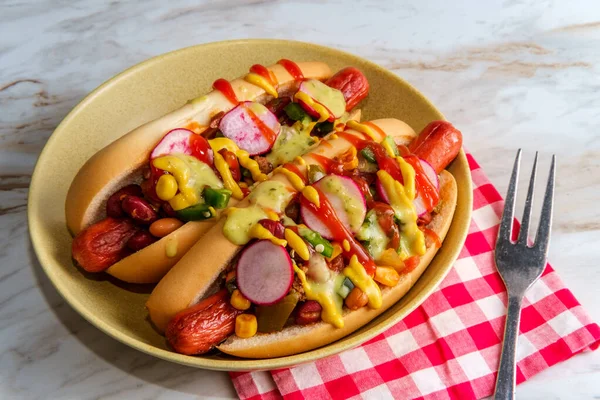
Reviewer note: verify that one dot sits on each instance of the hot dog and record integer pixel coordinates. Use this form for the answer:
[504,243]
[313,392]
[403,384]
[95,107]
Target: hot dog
[197,160]
[350,255]
[438,144]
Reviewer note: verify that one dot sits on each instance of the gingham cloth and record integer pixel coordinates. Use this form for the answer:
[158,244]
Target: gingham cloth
[449,347]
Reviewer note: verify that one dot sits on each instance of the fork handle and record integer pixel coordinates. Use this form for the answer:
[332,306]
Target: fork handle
[505,384]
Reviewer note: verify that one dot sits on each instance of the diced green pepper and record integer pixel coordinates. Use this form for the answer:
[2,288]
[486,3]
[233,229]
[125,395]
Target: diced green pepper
[390,141]
[368,154]
[295,112]
[315,173]
[196,212]
[345,288]
[322,246]
[273,318]
[323,128]
[218,198]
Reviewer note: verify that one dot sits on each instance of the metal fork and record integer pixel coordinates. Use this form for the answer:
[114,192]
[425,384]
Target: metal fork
[520,265]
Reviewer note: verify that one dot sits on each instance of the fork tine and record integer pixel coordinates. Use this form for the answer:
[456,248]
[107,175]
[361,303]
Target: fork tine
[508,214]
[542,239]
[523,234]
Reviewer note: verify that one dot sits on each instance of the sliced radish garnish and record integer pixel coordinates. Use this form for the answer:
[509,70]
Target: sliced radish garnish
[183,141]
[251,126]
[264,272]
[347,200]
[433,178]
[381,191]
[330,98]
[430,172]
[418,202]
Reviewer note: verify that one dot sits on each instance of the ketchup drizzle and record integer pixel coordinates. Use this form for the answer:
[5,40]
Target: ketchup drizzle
[425,188]
[296,170]
[262,127]
[224,87]
[292,68]
[325,162]
[263,71]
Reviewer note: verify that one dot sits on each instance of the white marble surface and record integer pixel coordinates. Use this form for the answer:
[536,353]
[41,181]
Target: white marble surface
[514,73]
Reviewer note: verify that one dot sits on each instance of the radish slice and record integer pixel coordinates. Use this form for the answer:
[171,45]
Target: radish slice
[381,191]
[430,172]
[251,126]
[418,202]
[347,200]
[330,98]
[433,178]
[183,141]
[264,272]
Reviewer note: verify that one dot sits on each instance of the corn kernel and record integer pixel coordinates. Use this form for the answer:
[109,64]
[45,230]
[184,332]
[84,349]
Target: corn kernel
[386,276]
[238,301]
[346,245]
[245,325]
[166,187]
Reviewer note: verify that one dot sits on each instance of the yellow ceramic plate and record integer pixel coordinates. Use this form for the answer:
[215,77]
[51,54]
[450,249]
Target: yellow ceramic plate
[156,87]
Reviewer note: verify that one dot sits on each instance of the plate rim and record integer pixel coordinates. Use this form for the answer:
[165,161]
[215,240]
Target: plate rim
[237,364]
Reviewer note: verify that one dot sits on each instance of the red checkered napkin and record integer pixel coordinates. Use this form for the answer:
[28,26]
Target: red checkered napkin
[449,347]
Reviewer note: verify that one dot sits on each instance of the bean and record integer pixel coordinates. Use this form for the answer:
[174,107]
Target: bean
[140,240]
[113,204]
[164,226]
[308,313]
[356,299]
[139,210]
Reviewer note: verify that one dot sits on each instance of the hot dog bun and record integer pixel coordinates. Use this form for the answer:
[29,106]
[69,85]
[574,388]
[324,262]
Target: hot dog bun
[194,275]
[118,164]
[297,339]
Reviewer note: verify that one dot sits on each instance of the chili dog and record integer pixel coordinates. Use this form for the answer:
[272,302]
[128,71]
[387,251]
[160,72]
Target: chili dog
[303,268]
[197,160]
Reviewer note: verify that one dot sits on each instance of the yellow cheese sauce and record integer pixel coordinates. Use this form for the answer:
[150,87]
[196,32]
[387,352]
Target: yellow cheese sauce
[273,195]
[322,111]
[357,274]
[266,198]
[239,223]
[323,99]
[325,294]
[292,142]
[412,239]
[192,176]
[171,247]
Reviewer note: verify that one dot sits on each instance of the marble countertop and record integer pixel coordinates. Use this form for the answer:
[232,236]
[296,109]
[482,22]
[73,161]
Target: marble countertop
[509,73]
